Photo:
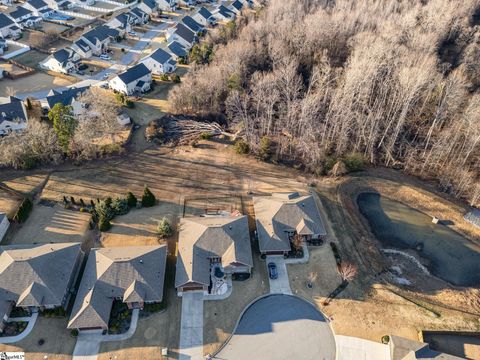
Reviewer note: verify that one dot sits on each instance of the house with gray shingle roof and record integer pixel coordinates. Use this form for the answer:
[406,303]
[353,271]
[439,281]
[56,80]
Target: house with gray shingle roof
[205,17]
[208,242]
[191,24]
[282,216]
[182,34]
[133,275]
[13,115]
[160,62]
[37,277]
[61,61]
[136,79]
[8,27]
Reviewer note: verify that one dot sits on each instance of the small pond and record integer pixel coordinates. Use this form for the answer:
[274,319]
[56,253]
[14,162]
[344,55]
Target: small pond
[452,257]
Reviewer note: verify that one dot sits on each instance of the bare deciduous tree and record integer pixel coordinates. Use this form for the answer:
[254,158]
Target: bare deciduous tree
[347,271]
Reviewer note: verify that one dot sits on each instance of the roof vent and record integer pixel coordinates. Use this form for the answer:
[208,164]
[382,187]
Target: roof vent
[141,261]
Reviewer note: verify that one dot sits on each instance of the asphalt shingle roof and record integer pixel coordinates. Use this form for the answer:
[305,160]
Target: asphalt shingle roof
[150,3]
[134,73]
[160,56]
[21,11]
[185,33]
[65,97]
[202,238]
[12,109]
[205,13]
[192,24]
[279,213]
[132,273]
[37,4]
[176,48]
[36,275]
[5,21]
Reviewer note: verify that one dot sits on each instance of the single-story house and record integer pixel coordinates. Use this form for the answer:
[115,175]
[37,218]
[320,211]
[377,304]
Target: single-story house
[99,38]
[223,13]
[160,62]
[211,242]
[177,50]
[82,48]
[183,35]
[37,277]
[8,27]
[194,26]
[62,61]
[148,6]
[13,115]
[280,217]
[205,17]
[4,224]
[136,79]
[68,97]
[121,22]
[166,5]
[134,275]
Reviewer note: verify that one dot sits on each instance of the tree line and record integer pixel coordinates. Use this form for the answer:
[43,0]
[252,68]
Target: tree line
[395,81]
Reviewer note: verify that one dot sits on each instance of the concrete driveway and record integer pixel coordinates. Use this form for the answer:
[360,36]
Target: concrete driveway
[280,327]
[191,328]
[281,285]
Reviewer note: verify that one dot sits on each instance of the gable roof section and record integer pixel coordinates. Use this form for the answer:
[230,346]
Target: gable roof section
[101,33]
[192,24]
[237,5]
[134,73]
[185,33]
[21,11]
[150,3]
[139,12]
[279,213]
[5,21]
[177,49]
[37,4]
[36,275]
[65,97]
[132,273]
[82,45]
[202,238]
[205,13]
[12,109]
[160,56]
[222,10]
[63,55]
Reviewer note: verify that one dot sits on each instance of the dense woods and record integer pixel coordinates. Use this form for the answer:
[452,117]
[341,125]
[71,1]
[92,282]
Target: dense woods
[396,81]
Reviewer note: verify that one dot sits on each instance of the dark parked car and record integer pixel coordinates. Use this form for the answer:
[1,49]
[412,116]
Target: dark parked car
[83,67]
[272,270]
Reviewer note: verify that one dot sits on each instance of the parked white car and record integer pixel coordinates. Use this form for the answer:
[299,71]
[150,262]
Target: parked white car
[105,57]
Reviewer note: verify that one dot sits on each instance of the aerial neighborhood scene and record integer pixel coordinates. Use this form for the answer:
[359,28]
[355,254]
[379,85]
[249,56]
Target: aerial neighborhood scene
[239,179]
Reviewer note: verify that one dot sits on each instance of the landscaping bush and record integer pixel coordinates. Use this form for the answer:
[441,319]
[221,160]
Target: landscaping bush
[205,135]
[385,339]
[164,77]
[131,199]
[129,103]
[148,199]
[355,162]
[242,147]
[104,209]
[120,206]
[265,148]
[74,333]
[23,211]
[175,78]
[164,228]
[104,224]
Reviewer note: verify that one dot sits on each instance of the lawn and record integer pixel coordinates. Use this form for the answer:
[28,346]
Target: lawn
[47,224]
